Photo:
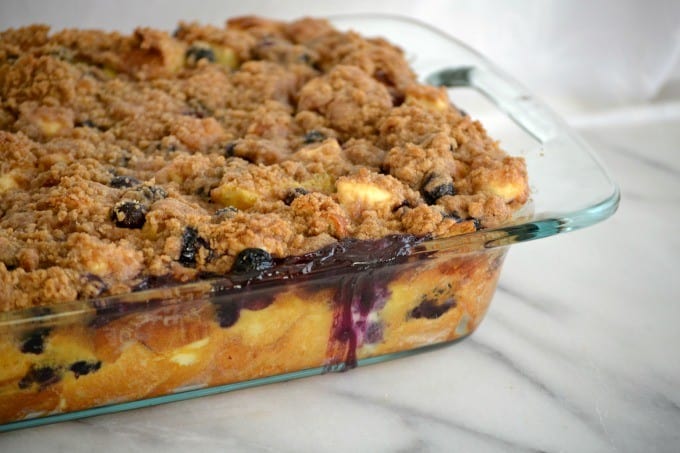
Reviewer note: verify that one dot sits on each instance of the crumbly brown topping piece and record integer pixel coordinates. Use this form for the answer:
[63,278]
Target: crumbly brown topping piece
[124,157]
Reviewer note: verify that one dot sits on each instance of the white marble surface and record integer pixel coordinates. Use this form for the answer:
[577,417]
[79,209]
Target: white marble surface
[578,351]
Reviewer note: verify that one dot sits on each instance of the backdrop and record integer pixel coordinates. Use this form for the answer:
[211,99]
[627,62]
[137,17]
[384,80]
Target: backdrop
[583,54]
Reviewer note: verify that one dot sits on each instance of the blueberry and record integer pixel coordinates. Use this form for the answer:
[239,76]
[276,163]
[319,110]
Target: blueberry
[453,216]
[398,98]
[403,204]
[81,367]
[119,182]
[313,136]
[229,149]
[227,314]
[129,214]
[306,59]
[195,53]
[39,375]
[477,223]
[383,77]
[293,194]
[438,192]
[436,186]
[90,124]
[430,310]
[86,123]
[35,342]
[191,244]
[252,260]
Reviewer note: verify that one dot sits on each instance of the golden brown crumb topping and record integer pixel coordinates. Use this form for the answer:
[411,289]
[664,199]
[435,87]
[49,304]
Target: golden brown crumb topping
[128,157]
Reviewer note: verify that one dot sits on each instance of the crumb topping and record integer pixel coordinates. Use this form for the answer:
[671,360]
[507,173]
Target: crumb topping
[125,157]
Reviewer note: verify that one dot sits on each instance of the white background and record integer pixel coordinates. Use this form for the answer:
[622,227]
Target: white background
[576,54]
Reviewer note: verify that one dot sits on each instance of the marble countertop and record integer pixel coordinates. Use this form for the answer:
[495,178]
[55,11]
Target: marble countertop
[578,351]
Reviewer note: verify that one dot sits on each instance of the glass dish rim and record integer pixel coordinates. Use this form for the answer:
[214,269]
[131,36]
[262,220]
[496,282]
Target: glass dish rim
[519,229]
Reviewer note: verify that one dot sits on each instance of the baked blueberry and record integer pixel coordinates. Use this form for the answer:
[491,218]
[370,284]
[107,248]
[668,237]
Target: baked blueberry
[195,53]
[429,310]
[436,186]
[293,194]
[252,260]
[191,244]
[86,123]
[306,59]
[229,149]
[39,375]
[383,77]
[398,98]
[453,216]
[227,313]
[313,136]
[119,182]
[81,367]
[34,343]
[403,204]
[129,214]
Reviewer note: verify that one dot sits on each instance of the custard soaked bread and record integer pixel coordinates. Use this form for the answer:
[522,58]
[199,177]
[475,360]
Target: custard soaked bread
[253,153]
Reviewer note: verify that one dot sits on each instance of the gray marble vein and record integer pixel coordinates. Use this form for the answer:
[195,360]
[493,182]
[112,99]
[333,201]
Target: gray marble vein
[414,416]
[538,384]
[520,297]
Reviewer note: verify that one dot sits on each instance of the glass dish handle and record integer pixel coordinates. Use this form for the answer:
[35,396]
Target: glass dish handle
[548,129]
[508,96]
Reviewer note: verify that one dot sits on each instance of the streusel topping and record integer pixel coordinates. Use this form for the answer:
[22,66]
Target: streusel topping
[124,157]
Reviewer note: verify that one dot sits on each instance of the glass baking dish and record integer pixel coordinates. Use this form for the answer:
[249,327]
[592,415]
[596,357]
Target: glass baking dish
[351,304]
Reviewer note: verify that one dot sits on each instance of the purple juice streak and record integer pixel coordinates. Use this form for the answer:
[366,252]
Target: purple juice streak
[343,331]
[373,296]
[356,298]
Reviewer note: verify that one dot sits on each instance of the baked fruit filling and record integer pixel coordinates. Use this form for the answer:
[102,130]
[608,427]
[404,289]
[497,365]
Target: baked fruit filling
[290,170]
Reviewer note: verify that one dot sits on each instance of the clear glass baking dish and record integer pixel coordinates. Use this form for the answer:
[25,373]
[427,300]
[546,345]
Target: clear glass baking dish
[353,304]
